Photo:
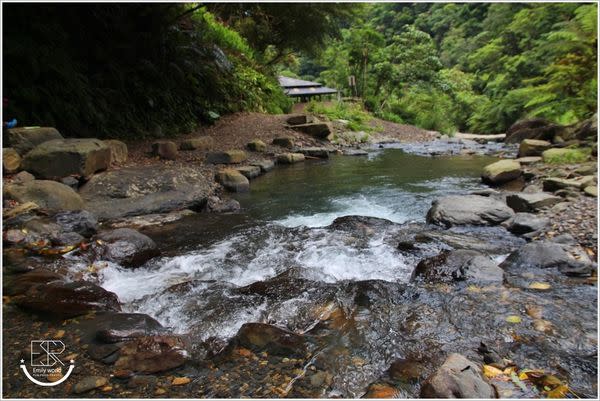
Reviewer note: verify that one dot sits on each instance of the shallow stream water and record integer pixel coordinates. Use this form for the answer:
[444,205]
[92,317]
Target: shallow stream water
[346,285]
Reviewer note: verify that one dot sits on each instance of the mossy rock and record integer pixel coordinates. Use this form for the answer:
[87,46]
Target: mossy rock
[233,180]
[257,146]
[501,171]
[290,158]
[566,155]
[226,157]
[533,147]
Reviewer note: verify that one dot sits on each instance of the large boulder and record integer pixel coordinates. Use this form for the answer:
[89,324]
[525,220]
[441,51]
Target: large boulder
[316,130]
[226,157]
[200,143]
[533,147]
[536,128]
[143,190]
[118,151]
[233,180]
[587,129]
[165,150]
[531,202]
[11,160]
[63,157]
[458,265]
[81,222]
[457,378]
[50,195]
[23,139]
[66,300]
[290,158]
[501,171]
[468,209]
[565,155]
[523,223]
[125,246]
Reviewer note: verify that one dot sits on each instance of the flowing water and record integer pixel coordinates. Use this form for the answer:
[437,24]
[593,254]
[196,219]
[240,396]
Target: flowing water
[280,261]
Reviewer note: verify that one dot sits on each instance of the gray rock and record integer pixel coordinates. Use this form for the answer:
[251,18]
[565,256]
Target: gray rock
[257,146]
[526,202]
[554,184]
[200,143]
[118,151]
[533,147]
[522,223]
[501,171]
[535,128]
[22,177]
[300,119]
[71,182]
[265,165]
[23,139]
[321,153]
[63,157]
[142,190]
[50,195]
[591,190]
[89,383]
[249,171]
[468,209]
[81,222]
[124,246]
[65,300]
[290,158]
[316,130]
[284,141]
[165,150]
[458,265]
[538,255]
[218,205]
[233,180]
[457,378]
[355,152]
[226,157]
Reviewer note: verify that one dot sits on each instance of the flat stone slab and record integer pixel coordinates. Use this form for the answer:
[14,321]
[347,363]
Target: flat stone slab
[290,158]
[316,130]
[529,160]
[321,153]
[143,190]
[226,157]
[524,202]
[23,139]
[50,195]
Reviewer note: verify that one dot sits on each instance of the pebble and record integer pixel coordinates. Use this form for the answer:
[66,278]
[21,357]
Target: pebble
[89,383]
[180,381]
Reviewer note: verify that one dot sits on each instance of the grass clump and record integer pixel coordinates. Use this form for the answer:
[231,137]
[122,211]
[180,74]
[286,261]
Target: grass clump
[358,119]
[566,156]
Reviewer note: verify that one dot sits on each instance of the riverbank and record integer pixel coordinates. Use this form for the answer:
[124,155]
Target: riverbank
[445,291]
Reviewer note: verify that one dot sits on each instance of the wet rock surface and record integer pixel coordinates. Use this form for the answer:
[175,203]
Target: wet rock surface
[468,209]
[125,246]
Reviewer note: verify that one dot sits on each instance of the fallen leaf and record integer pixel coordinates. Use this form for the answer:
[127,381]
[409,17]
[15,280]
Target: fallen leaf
[179,381]
[536,285]
[559,392]
[490,371]
[513,319]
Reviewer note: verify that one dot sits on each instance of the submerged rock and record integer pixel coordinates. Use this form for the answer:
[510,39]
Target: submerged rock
[141,190]
[468,209]
[63,157]
[457,378]
[125,246]
[50,195]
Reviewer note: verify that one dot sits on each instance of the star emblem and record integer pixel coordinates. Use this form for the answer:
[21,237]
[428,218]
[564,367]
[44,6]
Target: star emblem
[22,360]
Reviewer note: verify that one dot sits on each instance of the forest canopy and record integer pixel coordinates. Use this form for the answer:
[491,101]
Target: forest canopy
[131,70]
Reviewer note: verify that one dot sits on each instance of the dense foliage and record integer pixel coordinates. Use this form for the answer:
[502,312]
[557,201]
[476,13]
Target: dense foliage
[476,67]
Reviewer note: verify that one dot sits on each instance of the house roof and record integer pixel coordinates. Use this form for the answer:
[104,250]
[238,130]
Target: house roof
[296,83]
[306,91]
